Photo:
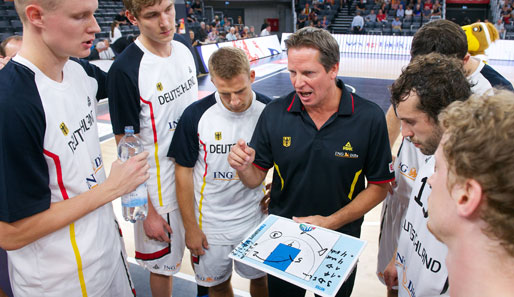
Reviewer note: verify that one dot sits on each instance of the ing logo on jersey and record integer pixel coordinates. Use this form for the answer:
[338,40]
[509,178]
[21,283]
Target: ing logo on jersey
[413,173]
[286,141]
[217,135]
[347,147]
[64,129]
[159,87]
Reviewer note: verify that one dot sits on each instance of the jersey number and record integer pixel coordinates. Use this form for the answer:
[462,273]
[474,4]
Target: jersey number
[417,198]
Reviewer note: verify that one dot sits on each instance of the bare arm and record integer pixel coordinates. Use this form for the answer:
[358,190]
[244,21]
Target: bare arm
[241,158]
[393,126]
[195,238]
[124,178]
[364,202]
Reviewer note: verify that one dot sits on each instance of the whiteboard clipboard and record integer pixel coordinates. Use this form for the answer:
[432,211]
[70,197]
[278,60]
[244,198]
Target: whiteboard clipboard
[314,258]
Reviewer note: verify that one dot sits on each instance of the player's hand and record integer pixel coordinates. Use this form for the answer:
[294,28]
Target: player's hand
[391,274]
[126,176]
[241,156]
[317,220]
[156,227]
[196,241]
[266,199]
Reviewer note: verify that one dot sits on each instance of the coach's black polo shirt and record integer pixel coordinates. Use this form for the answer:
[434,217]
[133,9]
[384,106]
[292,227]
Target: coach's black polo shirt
[317,172]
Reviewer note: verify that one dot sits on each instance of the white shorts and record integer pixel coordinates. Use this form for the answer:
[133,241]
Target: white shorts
[157,256]
[215,267]
[122,284]
[393,212]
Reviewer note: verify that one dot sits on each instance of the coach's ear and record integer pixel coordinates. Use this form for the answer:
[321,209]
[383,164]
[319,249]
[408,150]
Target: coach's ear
[469,196]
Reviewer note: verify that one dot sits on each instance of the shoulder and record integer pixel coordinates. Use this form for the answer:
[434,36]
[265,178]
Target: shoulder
[262,98]
[281,104]
[199,107]
[495,78]
[129,59]
[90,69]
[366,108]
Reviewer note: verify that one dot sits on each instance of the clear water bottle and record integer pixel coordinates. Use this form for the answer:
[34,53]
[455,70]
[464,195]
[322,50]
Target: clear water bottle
[135,204]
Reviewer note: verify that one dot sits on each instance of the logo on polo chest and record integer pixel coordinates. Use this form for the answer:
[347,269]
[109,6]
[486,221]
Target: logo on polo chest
[347,152]
[286,141]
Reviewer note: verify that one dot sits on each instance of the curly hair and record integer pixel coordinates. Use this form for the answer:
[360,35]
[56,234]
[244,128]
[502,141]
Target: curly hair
[228,62]
[438,80]
[480,146]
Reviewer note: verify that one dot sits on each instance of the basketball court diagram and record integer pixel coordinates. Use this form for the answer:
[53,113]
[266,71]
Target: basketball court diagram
[311,257]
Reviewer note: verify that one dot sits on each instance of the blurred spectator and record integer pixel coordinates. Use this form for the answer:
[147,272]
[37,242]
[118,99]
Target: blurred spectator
[436,9]
[266,31]
[396,25]
[302,20]
[428,4]
[201,34]
[506,16]
[197,7]
[115,32]
[306,10]
[121,17]
[400,12]
[417,10]
[251,33]
[325,23]
[240,20]
[191,16]
[360,7]
[213,36]
[244,33]
[500,28]
[357,23]
[395,4]
[194,41]
[381,16]
[227,26]
[315,8]
[222,37]
[223,21]
[216,22]
[427,12]
[231,36]
[408,12]
[371,17]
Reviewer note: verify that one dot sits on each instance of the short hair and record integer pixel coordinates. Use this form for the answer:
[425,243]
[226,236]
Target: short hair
[437,80]
[228,62]
[480,146]
[20,6]
[318,39]
[440,36]
[6,41]
[135,6]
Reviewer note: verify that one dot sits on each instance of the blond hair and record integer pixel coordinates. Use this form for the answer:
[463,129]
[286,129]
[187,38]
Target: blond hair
[228,62]
[480,146]
[20,6]
[135,6]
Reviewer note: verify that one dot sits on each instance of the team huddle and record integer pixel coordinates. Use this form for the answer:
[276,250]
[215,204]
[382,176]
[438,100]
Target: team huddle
[447,198]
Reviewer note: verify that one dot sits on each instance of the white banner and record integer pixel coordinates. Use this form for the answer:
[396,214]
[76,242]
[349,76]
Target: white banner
[255,48]
[400,45]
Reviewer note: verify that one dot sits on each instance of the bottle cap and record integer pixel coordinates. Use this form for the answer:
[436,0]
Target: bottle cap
[129,129]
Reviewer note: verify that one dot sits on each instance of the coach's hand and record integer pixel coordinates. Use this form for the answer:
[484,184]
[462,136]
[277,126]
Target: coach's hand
[241,156]
[196,241]
[155,226]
